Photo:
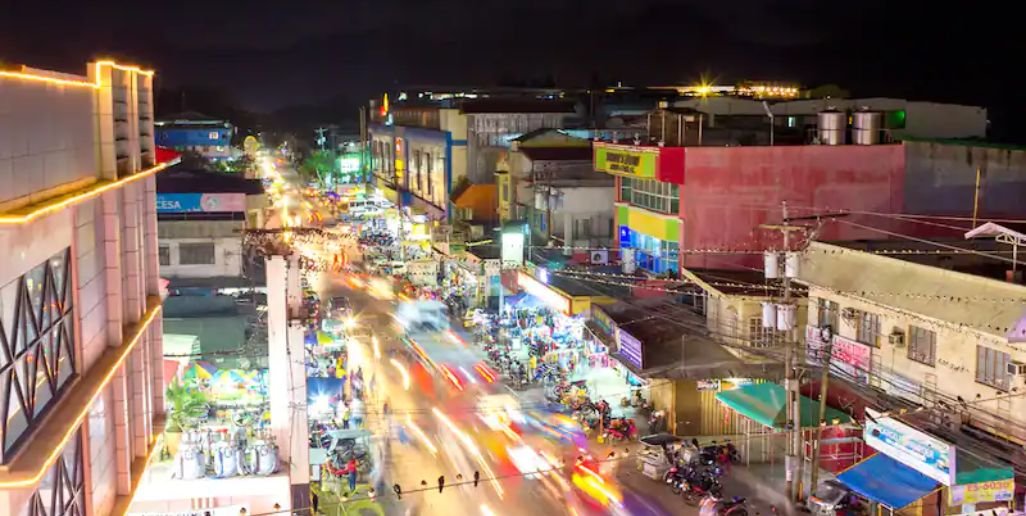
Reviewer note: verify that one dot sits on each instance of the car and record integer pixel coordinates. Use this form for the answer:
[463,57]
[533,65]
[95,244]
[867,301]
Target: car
[339,307]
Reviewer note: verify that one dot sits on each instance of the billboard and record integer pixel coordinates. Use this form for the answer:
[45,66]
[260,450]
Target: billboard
[201,203]
[630,349]
[625,161]
[918,450]
[544,293]
[982,492]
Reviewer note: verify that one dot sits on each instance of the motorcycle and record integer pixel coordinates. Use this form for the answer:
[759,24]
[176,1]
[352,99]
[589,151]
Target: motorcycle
[736,506]
[701,486]
[622,429]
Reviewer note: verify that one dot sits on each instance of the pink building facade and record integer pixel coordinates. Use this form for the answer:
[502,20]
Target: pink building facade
[81,397]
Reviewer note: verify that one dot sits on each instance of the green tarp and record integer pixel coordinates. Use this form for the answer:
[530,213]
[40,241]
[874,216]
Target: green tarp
[765,403]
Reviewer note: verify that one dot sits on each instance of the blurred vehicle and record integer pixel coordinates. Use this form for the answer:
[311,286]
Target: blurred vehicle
[586,479]
[339,308]
[527,461]
[497,411]
[423,315]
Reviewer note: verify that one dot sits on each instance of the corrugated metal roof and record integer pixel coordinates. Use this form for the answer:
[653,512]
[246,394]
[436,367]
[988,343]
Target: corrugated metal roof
[557,153]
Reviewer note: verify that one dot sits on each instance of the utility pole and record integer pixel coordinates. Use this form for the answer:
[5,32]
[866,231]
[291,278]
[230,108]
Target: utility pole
[826,351]
[792,462]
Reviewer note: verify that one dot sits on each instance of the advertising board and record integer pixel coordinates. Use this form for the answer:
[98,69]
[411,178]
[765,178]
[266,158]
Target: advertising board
[918,450]
[201,203]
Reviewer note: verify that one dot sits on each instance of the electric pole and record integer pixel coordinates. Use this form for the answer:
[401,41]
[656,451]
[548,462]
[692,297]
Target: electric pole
[825,352]
[792,461]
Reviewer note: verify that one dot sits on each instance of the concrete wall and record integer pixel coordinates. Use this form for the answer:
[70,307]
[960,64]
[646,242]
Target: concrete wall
[46,137]
[588,206]
[729,192]
[941,179]
[227,259]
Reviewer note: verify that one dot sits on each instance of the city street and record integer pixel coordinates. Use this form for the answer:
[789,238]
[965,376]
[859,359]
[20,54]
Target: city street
[434,429]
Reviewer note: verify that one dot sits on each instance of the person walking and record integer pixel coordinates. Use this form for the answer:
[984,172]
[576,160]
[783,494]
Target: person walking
[351,471]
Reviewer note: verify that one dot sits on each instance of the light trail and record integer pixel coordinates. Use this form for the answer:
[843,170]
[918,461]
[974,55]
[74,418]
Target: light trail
[486,511]
[377,346]
[468,443]
[469,376]
[421,435]
[402,372]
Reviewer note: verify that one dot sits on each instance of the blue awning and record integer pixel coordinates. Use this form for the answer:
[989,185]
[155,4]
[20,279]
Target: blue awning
[884,480]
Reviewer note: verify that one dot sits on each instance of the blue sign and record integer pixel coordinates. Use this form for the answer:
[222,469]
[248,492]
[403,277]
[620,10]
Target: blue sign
[179,202]
[630,349]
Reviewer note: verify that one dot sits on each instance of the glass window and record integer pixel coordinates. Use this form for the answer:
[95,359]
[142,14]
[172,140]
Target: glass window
[164,254]
[867,328]
[651,195]
[992,367]
[37,360]
[200,253]
[761,337]
[430,178]
[827,313]
[922,345]
[61,491]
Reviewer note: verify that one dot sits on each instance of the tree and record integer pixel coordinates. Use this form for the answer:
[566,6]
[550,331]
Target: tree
[187,405]
[318,166]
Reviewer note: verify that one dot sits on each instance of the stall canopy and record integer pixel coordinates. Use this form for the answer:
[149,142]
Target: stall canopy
[884,480]
[766,404]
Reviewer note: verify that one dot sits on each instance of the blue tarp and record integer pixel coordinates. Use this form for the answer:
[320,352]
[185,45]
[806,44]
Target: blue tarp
[887,481]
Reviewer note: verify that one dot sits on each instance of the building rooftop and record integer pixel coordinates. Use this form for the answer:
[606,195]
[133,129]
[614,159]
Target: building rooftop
[516,105]
[557,153]
[735,282]
[191,118]
[178,179]
[945,295]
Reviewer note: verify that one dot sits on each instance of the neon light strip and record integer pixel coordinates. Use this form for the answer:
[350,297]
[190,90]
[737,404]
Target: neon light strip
[71,82]
[10,479]
[96,189]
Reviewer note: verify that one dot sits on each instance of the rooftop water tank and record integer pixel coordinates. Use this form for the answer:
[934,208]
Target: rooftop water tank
[832,128]
[866,127]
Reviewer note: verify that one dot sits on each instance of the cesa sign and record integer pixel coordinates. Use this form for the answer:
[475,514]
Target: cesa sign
[918,450]
[201,203]
[545,294]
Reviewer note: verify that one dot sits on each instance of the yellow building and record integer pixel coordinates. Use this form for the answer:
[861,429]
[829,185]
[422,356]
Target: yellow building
[921,332]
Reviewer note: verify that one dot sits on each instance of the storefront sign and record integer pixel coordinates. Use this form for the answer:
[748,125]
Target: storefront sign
[195,202]
[548,296]
[916,449]
[602,320]
[630,349]
[492,267]
[851,358]
[995,491]
[626,162]
[513,247]
[708,385]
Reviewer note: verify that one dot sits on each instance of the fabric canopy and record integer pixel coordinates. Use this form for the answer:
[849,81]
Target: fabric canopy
[884,480]
[766,404]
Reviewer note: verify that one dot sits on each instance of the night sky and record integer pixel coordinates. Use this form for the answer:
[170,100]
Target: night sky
[268,55]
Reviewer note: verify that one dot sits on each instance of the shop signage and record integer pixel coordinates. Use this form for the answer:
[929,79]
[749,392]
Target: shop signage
[625,161]
[602,320]
[537,289]
[492,267]
[981,492]
[513,247]
[851,358]
[196,202]
[916,449]
[708,385]
[630,349]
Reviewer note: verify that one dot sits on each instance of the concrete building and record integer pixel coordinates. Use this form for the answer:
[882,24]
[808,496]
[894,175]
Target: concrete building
[556,191]
[933,331]
[419,151]
[202,217]
[80,377]
[196,132]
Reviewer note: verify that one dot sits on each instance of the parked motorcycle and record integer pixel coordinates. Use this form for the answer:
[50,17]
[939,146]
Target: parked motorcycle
[701,486]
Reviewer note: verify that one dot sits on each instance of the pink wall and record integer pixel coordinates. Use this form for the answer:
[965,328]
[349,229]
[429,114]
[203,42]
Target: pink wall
[729,192]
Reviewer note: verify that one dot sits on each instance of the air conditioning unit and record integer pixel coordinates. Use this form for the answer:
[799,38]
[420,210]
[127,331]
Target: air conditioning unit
[1016,368]
[600,257]
[897,338]
[848,313]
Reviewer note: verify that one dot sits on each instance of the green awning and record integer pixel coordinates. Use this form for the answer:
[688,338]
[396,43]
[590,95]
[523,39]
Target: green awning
[972,469]
[766,404]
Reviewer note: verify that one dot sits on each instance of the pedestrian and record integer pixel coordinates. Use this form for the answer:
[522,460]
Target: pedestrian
[346,414]
[351,470]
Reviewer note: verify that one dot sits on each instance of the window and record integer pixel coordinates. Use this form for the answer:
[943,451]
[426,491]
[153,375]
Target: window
[196,253]
[164,254]
[505,191]
[761,337]
[37,359]
[992,367]
[922,345]
[651,194]
[430,177]
[827,313]
[61,491]
[867,328]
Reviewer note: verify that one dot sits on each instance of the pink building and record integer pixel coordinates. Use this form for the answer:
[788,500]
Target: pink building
[81,393]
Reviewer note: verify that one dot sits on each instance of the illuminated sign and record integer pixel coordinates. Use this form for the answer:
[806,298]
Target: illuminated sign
[195,202]
[625,161]
[349,164]
[602,320]
[543,293]
[513,248]
[982,492]
[400,162]
[918,450]
[629,348]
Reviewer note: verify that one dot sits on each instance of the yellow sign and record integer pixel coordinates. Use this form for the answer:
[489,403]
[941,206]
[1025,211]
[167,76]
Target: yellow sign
[626,161]
[981,492]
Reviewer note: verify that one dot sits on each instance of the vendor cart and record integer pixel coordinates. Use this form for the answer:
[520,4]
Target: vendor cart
[653,460]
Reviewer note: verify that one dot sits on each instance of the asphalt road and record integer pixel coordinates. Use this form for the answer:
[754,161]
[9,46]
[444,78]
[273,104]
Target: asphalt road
[434,429]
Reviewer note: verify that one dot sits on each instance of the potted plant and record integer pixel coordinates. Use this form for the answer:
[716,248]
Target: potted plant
[187,404]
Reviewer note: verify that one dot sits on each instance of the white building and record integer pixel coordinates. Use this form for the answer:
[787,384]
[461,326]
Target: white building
[81,391]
